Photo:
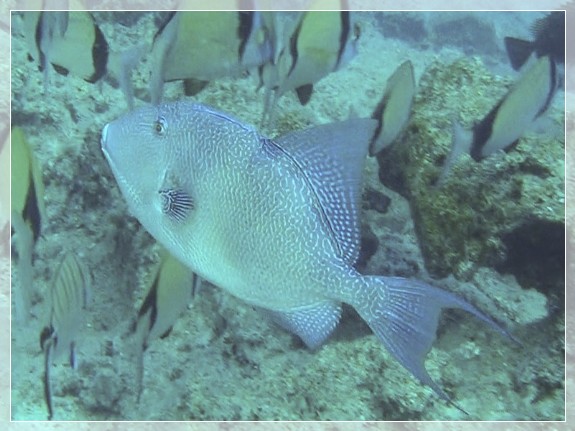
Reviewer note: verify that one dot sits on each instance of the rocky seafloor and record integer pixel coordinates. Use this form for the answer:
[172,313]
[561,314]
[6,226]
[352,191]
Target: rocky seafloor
[222,361]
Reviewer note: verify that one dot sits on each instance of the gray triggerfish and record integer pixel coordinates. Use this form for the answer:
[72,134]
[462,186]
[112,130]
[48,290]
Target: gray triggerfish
[549,39]
[70,293]
[275,222]
[394,109]
[201,46]
[169,292]
[510,118]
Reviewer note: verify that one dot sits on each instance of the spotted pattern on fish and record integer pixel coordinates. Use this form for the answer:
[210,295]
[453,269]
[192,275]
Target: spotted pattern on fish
[275,222]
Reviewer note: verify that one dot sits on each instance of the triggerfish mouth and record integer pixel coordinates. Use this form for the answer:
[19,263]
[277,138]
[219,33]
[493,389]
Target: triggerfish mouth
[275,222]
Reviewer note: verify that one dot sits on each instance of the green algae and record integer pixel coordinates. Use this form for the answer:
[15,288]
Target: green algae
[467,221]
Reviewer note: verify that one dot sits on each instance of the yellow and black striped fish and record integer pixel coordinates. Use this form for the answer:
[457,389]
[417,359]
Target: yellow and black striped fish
[27,189]
[70,41]
[201,46]
[27,215]
[510,117]
[394,109]
[69,298]
[321,43]
[169,293]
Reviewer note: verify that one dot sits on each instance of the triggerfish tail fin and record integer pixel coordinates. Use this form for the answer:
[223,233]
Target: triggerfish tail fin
[518,51]
[461,141]
[404,315]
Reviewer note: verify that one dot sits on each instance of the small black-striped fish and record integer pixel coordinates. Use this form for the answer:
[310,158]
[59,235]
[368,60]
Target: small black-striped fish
[70,41]
[28,213]
[198,47]
[27,190]
[393,112]
[69,299]
[73,43]
[169,293]
[510,118]
[321,43]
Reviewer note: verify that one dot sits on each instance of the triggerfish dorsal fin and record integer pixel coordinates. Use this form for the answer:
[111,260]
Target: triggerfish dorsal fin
[333,156]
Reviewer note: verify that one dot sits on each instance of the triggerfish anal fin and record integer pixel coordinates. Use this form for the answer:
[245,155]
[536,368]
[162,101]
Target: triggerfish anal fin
[169,293]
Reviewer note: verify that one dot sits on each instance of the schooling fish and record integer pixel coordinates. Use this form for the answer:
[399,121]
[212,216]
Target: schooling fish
[273,222]
[549,40]
[321,43]
[169,294]
[394,109]
[28,213]
[202,46]
[69,299]
[70,41]
[74,44]
[508,120]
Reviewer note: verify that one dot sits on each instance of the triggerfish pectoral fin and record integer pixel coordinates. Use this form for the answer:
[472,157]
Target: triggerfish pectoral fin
[313,325]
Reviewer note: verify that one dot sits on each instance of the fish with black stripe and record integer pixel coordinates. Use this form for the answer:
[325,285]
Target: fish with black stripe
[28,213]
[170,291]
[509,119]
[394,109]
[322,42]
[74,44]
[548,40]
[197,47]
[69,295]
